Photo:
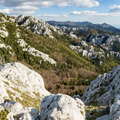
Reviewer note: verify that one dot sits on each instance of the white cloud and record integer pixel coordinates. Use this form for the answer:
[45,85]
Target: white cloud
[115,8]
[95,13]
[86,3]
[84,12]
[26,6]
[7,11]
[58,17]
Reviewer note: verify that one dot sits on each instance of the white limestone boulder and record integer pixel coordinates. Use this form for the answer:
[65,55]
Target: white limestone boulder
[17,80]
[62,107]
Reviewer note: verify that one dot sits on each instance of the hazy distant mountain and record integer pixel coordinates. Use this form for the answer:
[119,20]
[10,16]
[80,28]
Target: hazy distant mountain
[86,25]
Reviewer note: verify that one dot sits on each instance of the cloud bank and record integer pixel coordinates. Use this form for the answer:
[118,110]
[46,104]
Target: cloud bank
[31,6]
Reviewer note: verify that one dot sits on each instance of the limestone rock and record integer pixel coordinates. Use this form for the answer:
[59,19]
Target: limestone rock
[104,89]
[35,52]
[62,107]
[18,81]
[17,111]
[37,26]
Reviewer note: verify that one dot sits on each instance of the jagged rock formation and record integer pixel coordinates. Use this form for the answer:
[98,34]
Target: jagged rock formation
[62,107]
[26,87]
[37,26]
[115,109]
[98,47]
[35,52]
[105,117]
[84,28]
[90,51]
[6,34]
[41,52]
[105,91]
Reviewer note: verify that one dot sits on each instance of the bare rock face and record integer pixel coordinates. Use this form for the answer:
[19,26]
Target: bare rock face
[104,89]
[62,107]
[19,82]
[37,26]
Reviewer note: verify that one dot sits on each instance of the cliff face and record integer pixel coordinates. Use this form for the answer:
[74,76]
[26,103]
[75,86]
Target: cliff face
[27,39]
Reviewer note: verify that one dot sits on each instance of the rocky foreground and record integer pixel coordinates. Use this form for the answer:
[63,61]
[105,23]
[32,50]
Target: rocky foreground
[20,85]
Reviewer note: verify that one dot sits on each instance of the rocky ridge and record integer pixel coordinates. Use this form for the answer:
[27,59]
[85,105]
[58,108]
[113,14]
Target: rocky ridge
[5,34]
[94,41]
[44,54]
[37,26]
[99,47]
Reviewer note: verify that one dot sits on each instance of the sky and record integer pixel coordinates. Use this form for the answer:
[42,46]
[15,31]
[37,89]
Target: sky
[95,11]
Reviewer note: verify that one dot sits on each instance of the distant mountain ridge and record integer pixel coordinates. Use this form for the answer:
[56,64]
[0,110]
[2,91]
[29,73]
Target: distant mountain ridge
[86,25]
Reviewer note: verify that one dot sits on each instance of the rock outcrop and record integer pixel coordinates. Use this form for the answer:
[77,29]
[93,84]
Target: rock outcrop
[105,91]
[62,107]
[37,26]
[16,80]
[105,117]
[35,52]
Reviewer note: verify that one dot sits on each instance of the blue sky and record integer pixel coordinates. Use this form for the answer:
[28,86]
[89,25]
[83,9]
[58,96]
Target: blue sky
[96,11]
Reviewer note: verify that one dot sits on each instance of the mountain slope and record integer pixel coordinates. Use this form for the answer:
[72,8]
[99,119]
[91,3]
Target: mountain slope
[52,57]
[64,69]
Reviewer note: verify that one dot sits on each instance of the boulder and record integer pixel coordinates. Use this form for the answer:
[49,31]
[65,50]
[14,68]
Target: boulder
[62,107]
[17,81]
